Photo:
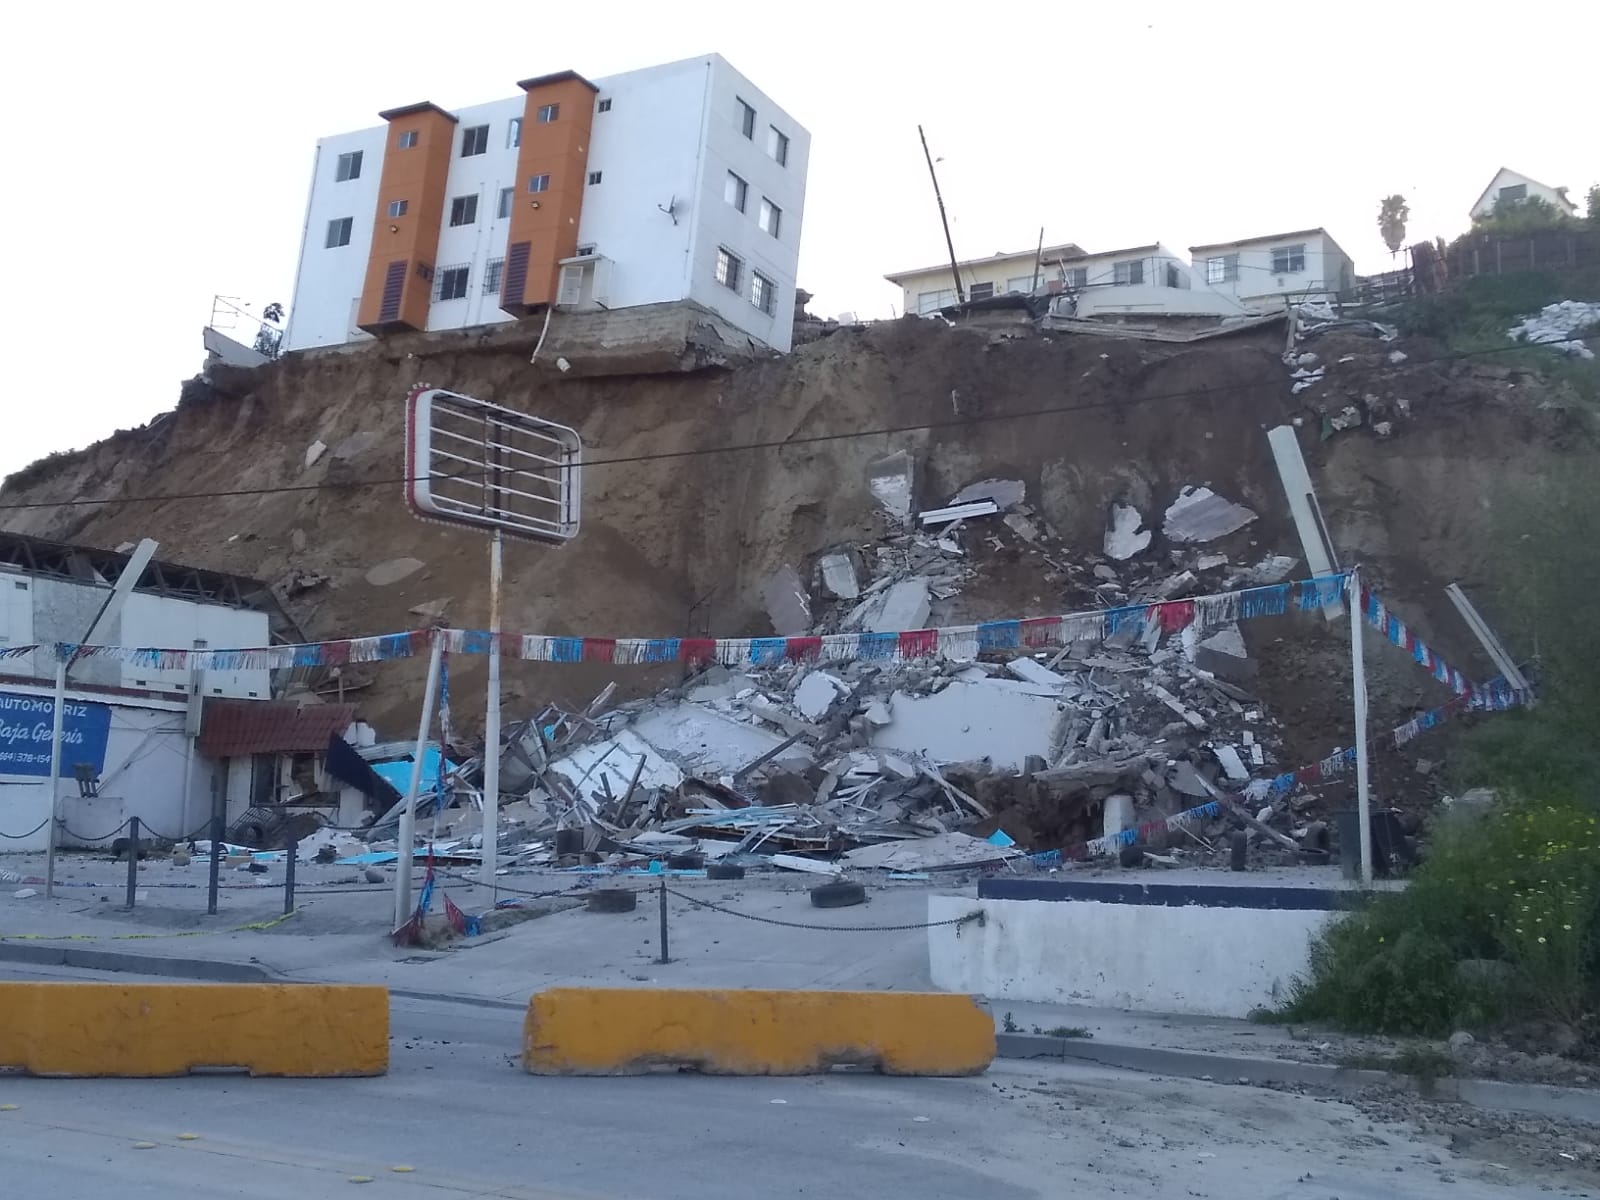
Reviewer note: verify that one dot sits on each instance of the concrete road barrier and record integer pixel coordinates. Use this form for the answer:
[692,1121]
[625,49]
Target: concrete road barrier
[627,1031]
[154,1029]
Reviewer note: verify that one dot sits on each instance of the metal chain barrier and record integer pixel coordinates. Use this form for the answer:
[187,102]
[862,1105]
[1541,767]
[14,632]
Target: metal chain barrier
[17,837]
[733,912]
[71,832]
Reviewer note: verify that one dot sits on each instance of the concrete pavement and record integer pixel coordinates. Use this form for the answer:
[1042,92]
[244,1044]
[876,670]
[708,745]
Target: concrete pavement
[458,1112]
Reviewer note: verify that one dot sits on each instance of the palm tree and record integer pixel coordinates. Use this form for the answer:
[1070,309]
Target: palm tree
[1392,217]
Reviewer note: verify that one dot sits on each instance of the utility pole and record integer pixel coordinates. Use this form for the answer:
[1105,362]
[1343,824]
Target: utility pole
[1037,256]
[955,271]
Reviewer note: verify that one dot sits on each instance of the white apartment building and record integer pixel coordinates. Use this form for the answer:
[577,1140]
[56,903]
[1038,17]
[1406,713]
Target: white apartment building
[1151,279]
[676,182]
[1268,272]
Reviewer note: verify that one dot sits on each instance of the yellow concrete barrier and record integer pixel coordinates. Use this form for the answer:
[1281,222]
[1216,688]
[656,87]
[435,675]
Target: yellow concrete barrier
[626,1031]
[149,1029]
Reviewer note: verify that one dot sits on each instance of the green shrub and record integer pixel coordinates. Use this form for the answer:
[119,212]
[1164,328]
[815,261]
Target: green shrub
[1519,885]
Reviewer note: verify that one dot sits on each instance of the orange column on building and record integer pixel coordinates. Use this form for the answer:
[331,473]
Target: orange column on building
[544,223]
[416,161]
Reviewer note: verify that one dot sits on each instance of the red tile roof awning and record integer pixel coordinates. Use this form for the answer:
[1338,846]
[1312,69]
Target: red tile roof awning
[236,728]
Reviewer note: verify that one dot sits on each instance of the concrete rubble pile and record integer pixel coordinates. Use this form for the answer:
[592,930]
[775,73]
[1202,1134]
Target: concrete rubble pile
[1557,326]
[1315,328]
[919,764]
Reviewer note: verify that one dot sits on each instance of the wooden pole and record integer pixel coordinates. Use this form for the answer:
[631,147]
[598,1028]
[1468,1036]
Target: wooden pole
[949,244]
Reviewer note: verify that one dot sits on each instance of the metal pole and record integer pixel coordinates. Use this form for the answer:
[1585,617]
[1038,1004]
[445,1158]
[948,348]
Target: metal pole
[1037,256]
[1358,669]
[132,572]
[54,782]
[218,799]
[288,876]
[133,859]
[491,722]
[663,899]
[408,814]
[961,293]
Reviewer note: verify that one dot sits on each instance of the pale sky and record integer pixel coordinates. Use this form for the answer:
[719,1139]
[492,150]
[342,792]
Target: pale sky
[162,152]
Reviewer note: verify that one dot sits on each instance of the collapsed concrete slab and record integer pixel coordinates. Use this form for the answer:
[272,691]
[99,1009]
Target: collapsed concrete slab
[788,603]
[614,761]
[704,742]
[1125,533]
[839,578]
[972,720]
[1006,493]
[903,606]
[816,694]
[892,481]
[1200,515]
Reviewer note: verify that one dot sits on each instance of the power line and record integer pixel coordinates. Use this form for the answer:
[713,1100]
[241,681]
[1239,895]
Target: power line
[774,444]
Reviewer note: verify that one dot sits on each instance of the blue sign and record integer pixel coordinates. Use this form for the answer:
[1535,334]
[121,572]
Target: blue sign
[26,725]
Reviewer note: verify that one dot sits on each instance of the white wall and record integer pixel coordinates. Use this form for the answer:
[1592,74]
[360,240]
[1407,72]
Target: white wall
[328,281]
[48,610]
[168,622]
[1220,962]
[719,225]
[144,774]
[482,175]
[1327,271]
[646,149]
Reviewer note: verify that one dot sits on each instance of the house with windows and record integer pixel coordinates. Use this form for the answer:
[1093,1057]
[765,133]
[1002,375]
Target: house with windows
[1268,272]
[1508,187]
[676,183]
[1149,279]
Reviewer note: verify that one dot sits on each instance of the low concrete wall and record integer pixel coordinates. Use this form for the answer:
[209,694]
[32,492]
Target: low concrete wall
[155,1029]
[626,1031]
[1112,949]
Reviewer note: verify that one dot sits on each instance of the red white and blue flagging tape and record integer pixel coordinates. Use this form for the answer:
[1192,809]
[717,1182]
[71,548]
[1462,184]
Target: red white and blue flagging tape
[958,642]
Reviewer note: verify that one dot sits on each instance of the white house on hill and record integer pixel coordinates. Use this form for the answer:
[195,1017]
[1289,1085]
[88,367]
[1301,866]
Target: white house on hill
[1512,188]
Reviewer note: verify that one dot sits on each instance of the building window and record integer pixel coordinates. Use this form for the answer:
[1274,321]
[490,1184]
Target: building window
[735,191]
[1514,194]
[474,141]
[980,291]
[729,268]
[1172,275]
[1021,285]
[747,120]
[408,139]
[507,195]
[539,183]
[349,166]
[1124,274]
[594,177]
[1289,260]
[548,113]
[492,270]
[777,146]
[514,133]
[397,208]
[452,283]
[763,293]
[770,218]
[932,302]
[464,210]
[339,232]
[1224,268]
[604,105]
[585,251]
[1077,277]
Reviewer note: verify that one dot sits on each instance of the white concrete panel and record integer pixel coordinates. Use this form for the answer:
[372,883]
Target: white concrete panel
[329,279]
[971,721]
[1220,962]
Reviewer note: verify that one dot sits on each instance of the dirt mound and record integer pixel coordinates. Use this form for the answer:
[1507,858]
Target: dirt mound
[680,535]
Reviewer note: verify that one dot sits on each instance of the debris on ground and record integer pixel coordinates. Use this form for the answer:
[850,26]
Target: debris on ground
[1557,326]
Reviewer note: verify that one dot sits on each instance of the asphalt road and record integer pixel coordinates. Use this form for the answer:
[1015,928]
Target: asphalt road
[455,1117]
